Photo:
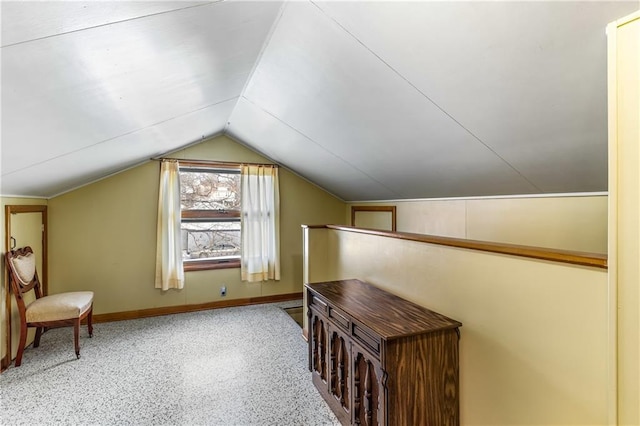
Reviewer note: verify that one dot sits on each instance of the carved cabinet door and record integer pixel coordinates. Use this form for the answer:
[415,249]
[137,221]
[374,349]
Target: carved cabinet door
[319,345]
[368,387]
[339,371]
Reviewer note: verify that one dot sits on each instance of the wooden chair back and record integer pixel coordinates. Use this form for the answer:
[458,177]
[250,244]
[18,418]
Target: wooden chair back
[20,262]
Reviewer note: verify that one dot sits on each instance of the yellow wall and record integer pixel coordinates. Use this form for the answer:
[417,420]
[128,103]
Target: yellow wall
[4,201]
[624,207]
[563,222]
[102,237]
[533,348]
[374,220]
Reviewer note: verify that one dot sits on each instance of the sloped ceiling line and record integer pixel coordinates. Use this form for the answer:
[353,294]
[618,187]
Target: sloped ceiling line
[265,44]
[422,93]
[125,134]
[109,23]
[331,153]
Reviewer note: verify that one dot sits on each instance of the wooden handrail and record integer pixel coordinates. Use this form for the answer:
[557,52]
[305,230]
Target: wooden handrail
[554,255]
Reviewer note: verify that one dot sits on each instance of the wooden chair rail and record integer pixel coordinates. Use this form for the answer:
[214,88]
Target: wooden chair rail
[554,255]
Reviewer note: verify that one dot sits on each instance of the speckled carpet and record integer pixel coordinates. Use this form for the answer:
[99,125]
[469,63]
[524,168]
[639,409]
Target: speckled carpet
[233,366]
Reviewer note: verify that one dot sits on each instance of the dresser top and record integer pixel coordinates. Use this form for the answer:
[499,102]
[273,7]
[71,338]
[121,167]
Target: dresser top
[388,315]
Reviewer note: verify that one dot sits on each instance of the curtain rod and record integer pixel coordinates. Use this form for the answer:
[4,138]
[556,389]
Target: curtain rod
[214,162]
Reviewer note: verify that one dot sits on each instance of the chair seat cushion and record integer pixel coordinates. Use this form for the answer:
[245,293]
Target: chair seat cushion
[59,306]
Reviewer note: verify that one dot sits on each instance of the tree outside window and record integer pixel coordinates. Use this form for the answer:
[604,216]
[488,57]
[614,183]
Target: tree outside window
[210,201]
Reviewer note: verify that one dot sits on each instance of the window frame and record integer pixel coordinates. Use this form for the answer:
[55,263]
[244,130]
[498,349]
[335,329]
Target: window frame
[207,216]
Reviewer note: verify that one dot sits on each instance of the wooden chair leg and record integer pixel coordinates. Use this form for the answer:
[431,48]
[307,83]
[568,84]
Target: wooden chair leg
[36,341]
[90,322]
[76,336]
[21,344]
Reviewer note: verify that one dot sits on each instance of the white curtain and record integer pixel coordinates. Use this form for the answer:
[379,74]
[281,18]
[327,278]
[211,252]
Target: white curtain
[169,271]
[260,223]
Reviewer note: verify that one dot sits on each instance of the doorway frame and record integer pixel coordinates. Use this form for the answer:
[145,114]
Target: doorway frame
[10,210]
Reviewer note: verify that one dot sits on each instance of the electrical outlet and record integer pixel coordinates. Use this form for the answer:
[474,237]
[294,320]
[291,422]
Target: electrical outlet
[223,290]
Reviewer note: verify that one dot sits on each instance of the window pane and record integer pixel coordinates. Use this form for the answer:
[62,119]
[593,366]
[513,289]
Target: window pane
[200,190]
[209,240]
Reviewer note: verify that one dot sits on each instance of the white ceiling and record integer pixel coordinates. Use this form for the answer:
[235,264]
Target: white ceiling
[370,100]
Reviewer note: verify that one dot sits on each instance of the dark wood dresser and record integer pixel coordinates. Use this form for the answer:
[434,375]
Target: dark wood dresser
[378,359]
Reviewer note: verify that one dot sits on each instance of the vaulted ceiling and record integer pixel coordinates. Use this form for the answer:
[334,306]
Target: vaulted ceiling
[370,100]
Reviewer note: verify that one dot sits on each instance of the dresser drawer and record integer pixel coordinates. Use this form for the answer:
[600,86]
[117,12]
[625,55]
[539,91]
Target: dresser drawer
[338,318]
[319,304]
[366,338]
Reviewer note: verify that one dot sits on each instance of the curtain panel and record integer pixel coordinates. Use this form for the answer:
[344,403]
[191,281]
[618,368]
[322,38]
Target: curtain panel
[260,223]
[169,270]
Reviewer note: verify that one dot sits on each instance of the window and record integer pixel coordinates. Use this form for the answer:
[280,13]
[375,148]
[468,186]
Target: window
[210,201]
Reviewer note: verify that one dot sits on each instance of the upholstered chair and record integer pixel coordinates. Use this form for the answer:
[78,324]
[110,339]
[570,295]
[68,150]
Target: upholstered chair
[45,312]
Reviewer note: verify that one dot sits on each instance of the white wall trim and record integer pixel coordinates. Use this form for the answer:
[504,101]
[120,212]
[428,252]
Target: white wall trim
[36,197]
[489,197]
